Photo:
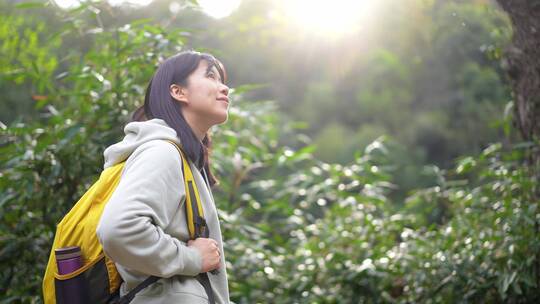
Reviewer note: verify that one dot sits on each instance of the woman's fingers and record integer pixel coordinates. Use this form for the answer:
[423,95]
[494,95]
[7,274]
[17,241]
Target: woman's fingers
[210,253]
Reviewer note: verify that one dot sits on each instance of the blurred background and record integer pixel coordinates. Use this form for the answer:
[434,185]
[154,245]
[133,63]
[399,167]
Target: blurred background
[425,73]
[367,144]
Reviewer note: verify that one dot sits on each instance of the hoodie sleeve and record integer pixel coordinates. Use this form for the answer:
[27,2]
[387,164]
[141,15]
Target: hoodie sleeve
[131,228]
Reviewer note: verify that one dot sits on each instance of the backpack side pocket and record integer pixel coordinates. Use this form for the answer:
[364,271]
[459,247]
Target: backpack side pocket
[87,285]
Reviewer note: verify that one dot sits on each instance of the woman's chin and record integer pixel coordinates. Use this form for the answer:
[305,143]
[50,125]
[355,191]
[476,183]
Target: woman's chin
[223,119]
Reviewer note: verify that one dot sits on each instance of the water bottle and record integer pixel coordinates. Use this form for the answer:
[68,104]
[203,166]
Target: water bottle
[68,260]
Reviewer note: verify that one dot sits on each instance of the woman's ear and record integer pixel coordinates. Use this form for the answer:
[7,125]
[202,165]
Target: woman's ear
[179,93]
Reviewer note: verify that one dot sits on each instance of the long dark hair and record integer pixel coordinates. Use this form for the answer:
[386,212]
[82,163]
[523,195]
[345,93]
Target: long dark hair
[158,103]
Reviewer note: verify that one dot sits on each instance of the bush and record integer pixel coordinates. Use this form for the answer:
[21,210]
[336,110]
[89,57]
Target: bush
[297,230]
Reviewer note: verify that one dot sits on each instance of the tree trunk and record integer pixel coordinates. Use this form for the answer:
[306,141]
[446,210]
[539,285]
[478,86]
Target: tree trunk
[522,63]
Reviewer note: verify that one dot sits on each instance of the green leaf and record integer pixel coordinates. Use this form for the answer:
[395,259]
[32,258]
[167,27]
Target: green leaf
[465,165]
[28,5]
[507,280]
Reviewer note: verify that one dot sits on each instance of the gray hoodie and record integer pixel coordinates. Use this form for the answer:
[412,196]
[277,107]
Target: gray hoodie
[143,227]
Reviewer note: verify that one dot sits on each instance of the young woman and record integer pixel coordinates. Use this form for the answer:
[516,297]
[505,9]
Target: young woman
[143,227]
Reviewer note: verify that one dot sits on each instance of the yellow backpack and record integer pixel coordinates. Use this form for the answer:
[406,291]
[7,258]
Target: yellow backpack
[78,228]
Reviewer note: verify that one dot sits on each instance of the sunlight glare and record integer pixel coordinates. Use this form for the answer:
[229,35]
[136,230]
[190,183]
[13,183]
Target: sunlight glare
[218,8]
[67,4]
[329,17]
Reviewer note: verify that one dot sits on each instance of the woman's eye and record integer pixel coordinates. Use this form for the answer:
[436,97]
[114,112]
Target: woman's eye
[211,75]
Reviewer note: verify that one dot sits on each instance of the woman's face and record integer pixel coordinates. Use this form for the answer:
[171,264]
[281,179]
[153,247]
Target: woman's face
[206,95]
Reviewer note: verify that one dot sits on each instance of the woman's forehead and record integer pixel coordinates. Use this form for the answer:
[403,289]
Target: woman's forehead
[205,66]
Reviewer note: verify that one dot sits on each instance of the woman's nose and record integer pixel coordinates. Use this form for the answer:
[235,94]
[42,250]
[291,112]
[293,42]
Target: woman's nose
[224,89]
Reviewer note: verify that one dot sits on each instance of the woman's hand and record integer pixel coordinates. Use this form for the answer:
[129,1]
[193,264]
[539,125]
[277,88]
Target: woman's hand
[209,250]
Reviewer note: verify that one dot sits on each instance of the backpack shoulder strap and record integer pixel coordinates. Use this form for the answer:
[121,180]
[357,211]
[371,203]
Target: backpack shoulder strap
[195,215]
[194,210]
[127,298]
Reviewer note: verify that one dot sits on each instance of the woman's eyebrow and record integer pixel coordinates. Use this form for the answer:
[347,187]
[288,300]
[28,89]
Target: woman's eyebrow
[210,67]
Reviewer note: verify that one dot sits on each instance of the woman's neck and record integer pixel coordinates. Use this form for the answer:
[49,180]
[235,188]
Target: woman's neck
[198,127]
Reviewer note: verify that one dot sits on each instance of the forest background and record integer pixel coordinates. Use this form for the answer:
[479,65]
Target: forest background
[376,162]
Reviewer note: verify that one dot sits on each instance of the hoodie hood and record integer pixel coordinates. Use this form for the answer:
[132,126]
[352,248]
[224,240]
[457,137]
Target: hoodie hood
[138,133]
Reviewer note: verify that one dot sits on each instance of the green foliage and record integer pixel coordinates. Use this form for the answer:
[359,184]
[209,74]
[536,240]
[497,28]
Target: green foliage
[320,233]
[48,163]
[28,60]
[411,64]
[296,229]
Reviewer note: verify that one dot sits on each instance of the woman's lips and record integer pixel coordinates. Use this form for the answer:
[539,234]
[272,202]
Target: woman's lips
[225,99]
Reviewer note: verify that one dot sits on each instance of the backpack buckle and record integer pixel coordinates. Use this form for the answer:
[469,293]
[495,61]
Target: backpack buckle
[201,228]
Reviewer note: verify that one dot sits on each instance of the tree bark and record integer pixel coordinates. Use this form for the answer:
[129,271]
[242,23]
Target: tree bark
[522,63]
